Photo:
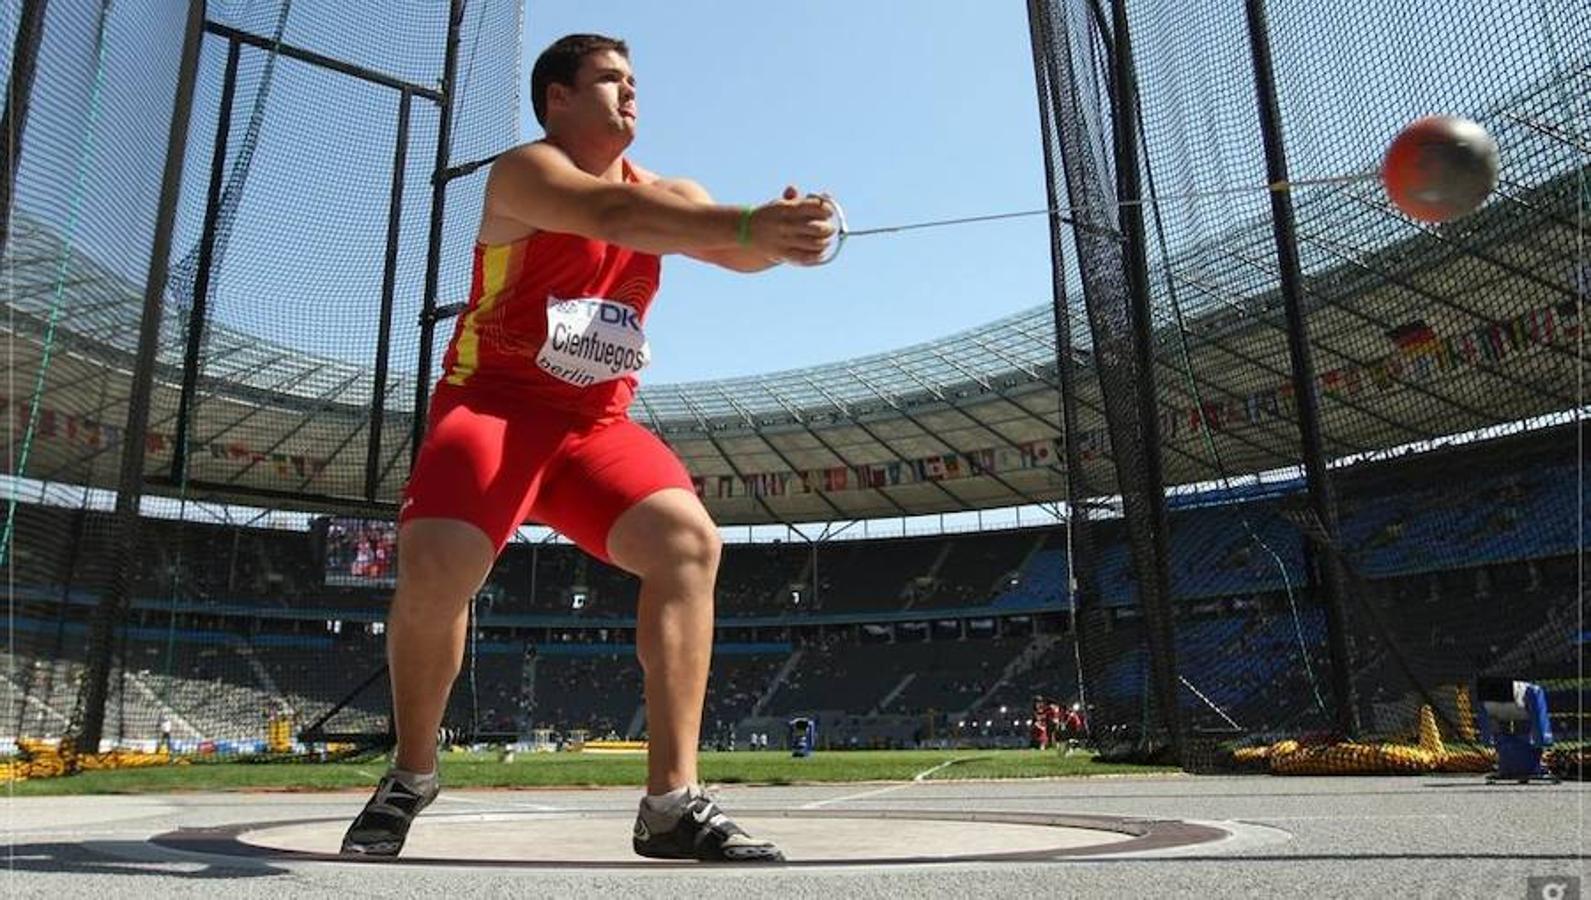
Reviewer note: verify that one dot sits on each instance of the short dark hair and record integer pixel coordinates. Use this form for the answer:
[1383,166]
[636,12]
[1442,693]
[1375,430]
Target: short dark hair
[558,64]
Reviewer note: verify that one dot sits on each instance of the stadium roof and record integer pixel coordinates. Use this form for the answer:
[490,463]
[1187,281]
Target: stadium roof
[1400,318]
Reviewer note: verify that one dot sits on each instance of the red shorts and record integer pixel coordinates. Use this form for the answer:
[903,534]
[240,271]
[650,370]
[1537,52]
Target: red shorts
[495,465]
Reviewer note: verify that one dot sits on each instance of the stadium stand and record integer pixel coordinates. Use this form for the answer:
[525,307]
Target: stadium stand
[973,566]
[233,624]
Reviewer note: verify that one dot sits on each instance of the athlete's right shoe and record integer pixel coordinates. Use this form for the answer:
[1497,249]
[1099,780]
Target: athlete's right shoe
[383,825]
[702,832]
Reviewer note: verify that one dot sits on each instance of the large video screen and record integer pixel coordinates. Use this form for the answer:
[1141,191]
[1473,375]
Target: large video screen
[361,553]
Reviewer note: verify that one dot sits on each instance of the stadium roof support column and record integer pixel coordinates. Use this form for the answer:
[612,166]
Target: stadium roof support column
[856,422]
[89,720]
[707,432]
[950,404]
[751,423]
[794,412]
[19,92]
[1321,538]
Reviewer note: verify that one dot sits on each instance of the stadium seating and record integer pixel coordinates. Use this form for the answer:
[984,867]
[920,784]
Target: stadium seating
[1470,576]
[1216,550]
[950,676]
[598,693]
[973,568]
[871,575]
[736,684]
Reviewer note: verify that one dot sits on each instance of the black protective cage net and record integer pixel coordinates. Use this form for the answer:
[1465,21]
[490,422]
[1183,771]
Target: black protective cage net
[1428,557]
[291,352]
[320,215]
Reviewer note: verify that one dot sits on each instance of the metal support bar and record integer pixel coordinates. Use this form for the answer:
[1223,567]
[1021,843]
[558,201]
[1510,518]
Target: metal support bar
[1081,576]
[389,284]
[226,491]
[433,260]
[1290,272]
[19,94]
[1155,592]
[199,311]
[326,62]
[89,722]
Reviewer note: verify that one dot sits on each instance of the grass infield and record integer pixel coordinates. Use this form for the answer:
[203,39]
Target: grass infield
[586,770]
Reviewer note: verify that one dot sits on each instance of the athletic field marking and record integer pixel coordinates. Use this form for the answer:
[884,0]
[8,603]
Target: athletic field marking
[919,778]
[923,775]
[819,804]
[1363,816]
[488,801]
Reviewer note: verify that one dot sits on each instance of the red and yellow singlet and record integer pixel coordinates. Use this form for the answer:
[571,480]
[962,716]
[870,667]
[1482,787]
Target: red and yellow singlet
[529,418]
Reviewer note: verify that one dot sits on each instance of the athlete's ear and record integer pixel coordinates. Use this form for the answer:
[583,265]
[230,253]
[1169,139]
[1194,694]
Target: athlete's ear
[557,95]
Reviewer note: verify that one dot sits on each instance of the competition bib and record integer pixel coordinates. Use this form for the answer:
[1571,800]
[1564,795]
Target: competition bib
[591,340]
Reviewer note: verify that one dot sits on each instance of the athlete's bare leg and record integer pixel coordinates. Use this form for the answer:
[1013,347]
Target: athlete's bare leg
[670,542]
[441,565]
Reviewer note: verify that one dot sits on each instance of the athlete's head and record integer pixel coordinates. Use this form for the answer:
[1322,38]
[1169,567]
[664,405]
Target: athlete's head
[583,84]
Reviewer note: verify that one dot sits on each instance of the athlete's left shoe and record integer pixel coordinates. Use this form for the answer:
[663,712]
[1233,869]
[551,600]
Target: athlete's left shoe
[383,825]
[701,832]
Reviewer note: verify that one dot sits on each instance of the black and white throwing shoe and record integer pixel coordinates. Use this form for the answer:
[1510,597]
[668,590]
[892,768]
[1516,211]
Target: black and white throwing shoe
[384,823]
[702,832]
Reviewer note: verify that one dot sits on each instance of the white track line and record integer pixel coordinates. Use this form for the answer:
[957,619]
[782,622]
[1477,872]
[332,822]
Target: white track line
[923,775]
[819,804]
[1262,819]
[502,804]
[919,778]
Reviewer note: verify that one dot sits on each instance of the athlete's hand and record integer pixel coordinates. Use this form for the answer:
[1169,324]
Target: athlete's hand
[794,228]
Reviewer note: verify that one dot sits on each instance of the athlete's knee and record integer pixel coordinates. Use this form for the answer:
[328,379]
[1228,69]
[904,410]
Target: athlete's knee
[693,544]
[441,563]
[667,537]
[683,550]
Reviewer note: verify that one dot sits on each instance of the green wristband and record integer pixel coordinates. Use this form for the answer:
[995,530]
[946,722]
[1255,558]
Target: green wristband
[743,234]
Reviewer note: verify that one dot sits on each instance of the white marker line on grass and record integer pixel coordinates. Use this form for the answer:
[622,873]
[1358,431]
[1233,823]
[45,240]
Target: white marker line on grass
[507,804]
[923,775]
[819,804]
[919,778]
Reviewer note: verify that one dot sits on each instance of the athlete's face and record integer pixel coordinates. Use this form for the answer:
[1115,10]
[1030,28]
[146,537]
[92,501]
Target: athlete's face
[603,96]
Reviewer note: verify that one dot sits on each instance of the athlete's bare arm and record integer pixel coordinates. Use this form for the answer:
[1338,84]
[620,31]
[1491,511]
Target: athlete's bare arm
[539,188]
[738,259]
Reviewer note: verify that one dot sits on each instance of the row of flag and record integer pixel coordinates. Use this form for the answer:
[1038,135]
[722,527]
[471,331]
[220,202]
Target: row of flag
[1418,354]
[88,433]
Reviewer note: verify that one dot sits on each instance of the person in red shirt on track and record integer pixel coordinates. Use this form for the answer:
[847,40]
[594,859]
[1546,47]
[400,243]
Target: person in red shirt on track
[1074,721]
[529,421]
[1052,721]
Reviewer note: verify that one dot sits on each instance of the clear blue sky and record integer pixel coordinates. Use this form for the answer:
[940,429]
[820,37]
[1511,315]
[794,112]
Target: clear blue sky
[904,111]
